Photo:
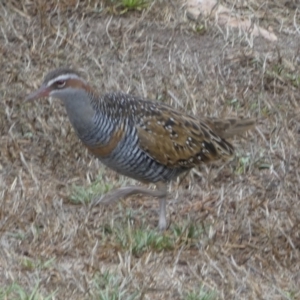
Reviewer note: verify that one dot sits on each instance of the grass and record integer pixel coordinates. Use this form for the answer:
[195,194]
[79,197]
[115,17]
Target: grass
[234,228]
[16,291]
[138,241]
[134,4]
[110,286]
[123,6]
[141,240]
[84,194]
[30,264]
[244,163]
[200,294]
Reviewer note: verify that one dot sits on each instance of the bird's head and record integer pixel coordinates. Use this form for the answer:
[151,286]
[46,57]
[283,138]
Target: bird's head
[59,83]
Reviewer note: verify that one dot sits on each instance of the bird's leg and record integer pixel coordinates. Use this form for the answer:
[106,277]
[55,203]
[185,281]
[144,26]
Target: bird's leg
[160,192]
[162,223]
[122,192]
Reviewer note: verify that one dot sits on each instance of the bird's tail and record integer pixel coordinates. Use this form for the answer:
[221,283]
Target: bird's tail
[227,128]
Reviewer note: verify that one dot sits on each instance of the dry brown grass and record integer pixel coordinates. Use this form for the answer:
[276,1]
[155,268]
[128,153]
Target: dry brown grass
[234,230]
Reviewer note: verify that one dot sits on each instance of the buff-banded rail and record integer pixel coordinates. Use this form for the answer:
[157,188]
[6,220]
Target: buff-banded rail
[145,140]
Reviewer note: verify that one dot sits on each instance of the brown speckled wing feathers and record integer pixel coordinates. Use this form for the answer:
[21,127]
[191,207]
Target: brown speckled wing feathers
[174,139]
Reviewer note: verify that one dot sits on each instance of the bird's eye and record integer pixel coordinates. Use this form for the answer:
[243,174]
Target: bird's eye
[60,83]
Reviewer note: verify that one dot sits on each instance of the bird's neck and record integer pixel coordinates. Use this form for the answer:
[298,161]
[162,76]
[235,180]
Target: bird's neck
[80,111]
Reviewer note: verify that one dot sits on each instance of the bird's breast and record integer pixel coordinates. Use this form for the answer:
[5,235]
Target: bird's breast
[105,149]
[122,153]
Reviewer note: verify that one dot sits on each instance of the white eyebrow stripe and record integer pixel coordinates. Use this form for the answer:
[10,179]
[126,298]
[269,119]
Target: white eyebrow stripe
[63,77]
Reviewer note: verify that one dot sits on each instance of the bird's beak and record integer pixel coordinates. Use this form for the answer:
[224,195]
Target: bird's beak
[43,91]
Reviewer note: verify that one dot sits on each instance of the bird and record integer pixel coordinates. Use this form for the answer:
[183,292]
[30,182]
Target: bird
[142,139]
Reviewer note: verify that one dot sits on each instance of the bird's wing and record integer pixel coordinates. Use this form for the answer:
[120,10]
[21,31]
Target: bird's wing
[226,128]
[178,140]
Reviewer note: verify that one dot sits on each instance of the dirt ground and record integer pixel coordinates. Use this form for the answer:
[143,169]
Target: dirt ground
[234,230]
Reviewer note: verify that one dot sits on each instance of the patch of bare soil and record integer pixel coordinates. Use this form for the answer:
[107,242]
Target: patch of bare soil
[248,210]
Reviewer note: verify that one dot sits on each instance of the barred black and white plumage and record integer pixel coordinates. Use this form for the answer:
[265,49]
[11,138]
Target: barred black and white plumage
[145,140]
